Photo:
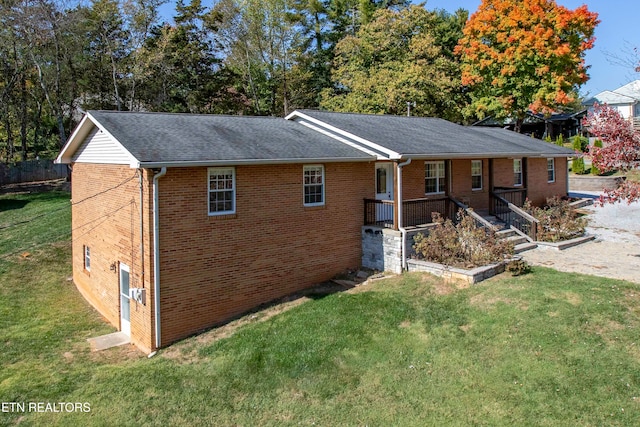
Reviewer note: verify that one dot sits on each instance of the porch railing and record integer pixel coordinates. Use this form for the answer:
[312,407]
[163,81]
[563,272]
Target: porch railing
[420,211]
[379,212]
[516,196]
[512,215]
[479,220]
[414,212]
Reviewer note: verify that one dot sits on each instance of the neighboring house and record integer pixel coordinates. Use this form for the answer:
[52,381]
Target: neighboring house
[182,222]
[540,126]
[625,99]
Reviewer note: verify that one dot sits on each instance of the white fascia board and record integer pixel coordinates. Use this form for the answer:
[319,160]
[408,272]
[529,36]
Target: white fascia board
[389,154]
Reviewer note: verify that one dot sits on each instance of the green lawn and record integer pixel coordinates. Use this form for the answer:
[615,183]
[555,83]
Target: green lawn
[544,349]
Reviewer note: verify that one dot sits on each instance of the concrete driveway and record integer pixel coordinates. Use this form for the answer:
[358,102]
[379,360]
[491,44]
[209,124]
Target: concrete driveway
[615,252]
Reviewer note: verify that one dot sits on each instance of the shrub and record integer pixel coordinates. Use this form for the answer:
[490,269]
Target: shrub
[560,140]
[558,220]
[577,165]
[462,245]
[518,267]
[580,143]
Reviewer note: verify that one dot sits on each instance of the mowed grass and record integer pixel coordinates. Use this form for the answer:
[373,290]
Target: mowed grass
[544,349]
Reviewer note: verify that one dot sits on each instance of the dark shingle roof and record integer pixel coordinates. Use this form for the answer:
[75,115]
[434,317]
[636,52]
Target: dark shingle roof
[172,138]
[433,137]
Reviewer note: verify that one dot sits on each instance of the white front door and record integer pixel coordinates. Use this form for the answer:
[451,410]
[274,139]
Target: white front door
[384,192]
[125,302]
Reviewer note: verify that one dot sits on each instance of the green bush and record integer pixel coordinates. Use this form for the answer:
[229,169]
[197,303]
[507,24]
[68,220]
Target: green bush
[580,143]
[558,220]
[560,140]
[462,245]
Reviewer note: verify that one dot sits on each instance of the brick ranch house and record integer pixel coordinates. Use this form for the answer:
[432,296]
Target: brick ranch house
[182,222]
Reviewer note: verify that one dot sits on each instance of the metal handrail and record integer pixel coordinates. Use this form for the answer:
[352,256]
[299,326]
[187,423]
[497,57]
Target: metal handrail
[514,216]
[480,221]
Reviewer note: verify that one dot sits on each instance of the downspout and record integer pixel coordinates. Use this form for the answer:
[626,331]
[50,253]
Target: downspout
[156,253]
[403,231]
[141,172]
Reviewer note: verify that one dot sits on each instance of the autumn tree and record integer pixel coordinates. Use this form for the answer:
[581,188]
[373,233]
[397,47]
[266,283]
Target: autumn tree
[621,149]
[392,60]
[520,55]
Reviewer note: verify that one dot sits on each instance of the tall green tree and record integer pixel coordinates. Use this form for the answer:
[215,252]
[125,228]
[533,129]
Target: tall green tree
[520,55]
[393,60]
[108,47]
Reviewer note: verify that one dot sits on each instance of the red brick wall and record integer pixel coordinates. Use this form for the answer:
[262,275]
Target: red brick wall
[106,217]
[503,173]
[461,184]
[215,268]
[538,188]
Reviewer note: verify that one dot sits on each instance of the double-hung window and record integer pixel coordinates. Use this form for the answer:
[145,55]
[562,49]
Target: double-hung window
[517,172]
[434,177]
[222,191]
[476,174]
[551,170]
[313,186]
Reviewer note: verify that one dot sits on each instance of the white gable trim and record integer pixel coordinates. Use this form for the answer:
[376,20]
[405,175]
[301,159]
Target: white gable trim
[91,142]
[350,139]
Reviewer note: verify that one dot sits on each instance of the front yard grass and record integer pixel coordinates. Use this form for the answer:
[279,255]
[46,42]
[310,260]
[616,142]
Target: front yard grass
[547,348]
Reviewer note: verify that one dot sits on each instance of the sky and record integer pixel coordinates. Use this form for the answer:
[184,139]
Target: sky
[616,35]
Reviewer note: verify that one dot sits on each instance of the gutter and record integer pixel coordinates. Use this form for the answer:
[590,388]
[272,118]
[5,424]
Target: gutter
[403,231]
[156,254]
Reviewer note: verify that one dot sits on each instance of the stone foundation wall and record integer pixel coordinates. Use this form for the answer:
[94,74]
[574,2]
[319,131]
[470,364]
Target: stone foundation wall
[381,248]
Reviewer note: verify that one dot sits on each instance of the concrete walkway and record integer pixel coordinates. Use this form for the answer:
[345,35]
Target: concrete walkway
[615,253]
[107,341]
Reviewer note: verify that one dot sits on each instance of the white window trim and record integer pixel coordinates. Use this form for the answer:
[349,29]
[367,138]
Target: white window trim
[304,185]
[521,173]
[553,169]
[472,175]
[209,191]
[439,163]
[87,257]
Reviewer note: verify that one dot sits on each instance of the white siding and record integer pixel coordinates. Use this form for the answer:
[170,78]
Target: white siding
[99,147]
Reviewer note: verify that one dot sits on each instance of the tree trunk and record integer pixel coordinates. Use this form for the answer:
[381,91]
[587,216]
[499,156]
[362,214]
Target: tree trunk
[23,117]
[518,125]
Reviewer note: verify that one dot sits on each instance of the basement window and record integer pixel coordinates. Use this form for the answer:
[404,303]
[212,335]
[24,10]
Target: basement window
[87,258]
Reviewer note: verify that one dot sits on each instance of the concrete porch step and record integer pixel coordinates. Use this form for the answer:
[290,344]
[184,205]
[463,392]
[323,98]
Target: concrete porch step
[520,242]
[525,246]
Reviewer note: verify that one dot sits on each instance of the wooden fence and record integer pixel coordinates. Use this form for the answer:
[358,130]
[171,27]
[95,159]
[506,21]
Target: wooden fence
[31,171]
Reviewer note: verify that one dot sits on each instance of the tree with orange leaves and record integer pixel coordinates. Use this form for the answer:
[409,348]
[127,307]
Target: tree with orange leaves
[520,55]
